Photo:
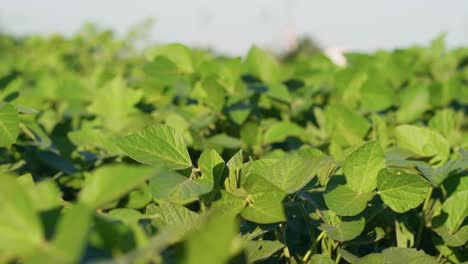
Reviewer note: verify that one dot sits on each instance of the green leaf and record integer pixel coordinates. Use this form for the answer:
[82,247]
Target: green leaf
[131,218]
[261,249]
[157,144]
[401,191]
[20,227]
[414,101]
[173,215]
[344,231]
[345,127]
[9,125]
[443,122]
[211,165]
[395,255]
[234,165]
[294,171]
[71,234]
[92,137]
[345,201]
[213,241]
[376,94]
[138,198]
[436,175]
[264,201]
[114,104]
[456,207]
[263,65]
[452,239]
[362,166]
[162,71]
[279,131]
[225,141]
[404,236]
[229,203]
[44,195]
[210,92]
[279,92]
[109,183]
[68,244]
[423,142]
[321,259]
[175,187]
[179,54]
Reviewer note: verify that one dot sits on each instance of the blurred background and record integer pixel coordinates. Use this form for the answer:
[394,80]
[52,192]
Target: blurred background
[231,27]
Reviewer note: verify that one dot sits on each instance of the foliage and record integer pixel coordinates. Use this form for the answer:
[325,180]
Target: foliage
[113,154]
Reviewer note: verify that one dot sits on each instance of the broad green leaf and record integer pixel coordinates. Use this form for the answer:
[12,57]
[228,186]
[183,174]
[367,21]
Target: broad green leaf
[69,242]
[179,54]
[114,104]
[213,241]
[157,144]
[210,92]
[261,249]
[109,183]
[234,165]
[401,191]
[370,236]
[452,239]
[423,142]
[362,166]
[373,258]
[376,94]
[92,137]
[404,236]
[456,207]
[344,126]
[279,131]
[263,65]
[345,201]
[126,215]
[414,101]
[344,231]
[21,230]
[44,195]
[380,130]
[175,187]
[395,255]
[229,203]
[264,201]
[131,218]
[443,122]
[9,125]
[258,167]
[279,92]
[436,175]
[173,215]
[162,70]
[225,141]
[294,171]
[321,259]
[250,133]
[138,198]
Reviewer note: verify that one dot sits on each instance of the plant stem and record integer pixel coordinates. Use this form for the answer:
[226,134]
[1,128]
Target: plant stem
[422,221]
[313,248]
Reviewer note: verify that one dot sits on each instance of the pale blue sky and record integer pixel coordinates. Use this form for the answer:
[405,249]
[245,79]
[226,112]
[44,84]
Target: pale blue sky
[233,26]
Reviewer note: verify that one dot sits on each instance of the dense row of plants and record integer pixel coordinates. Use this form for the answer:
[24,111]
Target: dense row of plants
[113,154]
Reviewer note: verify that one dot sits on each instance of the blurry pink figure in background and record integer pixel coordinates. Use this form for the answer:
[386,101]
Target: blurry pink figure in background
[336,54]
[290,37]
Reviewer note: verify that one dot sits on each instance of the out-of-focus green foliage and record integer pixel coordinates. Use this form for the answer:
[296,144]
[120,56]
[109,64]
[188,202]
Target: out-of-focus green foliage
[111,152]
